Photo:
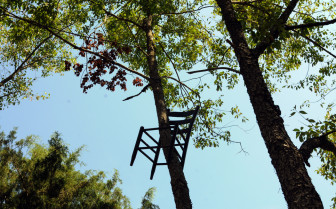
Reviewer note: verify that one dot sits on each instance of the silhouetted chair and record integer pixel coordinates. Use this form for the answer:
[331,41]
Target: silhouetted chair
[180,128]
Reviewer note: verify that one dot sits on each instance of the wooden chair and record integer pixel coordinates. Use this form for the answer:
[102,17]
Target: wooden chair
[180,127]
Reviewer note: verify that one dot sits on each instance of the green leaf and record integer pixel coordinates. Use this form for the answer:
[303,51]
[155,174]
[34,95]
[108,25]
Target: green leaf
[302,112]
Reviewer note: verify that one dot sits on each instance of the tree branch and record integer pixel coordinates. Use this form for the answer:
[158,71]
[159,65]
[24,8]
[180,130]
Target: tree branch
[143,90]
[289,9]
[141,49]
[21,67]
[245,2]
[183,84]
[317,142]
[171,61]
[122,19]
[188,11]
[318,45]
[309,25]
[274,31]
[216,68]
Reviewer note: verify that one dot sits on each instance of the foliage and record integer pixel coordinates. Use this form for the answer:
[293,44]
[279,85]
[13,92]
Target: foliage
[183,38]
[97,67]
[29,51]
[39,176]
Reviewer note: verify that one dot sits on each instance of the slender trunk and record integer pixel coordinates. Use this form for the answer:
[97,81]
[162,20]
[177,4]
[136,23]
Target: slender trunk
[296,185]
[178,181]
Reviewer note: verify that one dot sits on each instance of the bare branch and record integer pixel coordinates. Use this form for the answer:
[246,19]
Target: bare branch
[178,81]
[188,11]
[143,90]
[317,142]
[138,46]
[309,25]
[178,77]
[172,62]
[245,2]
[216,68]
[183,84]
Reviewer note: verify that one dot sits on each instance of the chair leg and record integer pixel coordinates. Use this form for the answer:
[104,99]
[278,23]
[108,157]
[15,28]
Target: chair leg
[155,160]
[184,152]
[136,147]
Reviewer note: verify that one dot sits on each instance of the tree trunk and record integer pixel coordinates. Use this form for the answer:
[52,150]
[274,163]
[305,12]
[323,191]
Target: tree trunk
[178,181]
[296,185]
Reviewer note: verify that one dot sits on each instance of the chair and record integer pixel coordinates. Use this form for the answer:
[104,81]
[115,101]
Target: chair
[180,125]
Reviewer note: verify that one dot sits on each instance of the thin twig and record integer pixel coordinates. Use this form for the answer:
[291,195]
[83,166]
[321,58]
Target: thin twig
[188,11]
[309,25]
[180,82]
[141,49]
[123,19]
[318,45]
[213,69]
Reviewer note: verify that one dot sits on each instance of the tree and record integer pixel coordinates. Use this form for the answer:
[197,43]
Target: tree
[36,176]
[264,36]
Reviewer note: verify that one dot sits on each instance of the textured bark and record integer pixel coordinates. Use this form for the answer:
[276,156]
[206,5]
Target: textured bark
[178,181]
[296,185]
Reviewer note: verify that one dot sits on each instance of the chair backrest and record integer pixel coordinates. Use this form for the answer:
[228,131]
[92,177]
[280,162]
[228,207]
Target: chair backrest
[184,120]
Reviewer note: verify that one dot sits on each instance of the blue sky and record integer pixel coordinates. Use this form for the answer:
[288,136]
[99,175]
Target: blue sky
[217,177]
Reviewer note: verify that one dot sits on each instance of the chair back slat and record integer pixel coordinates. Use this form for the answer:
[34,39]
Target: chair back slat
[180,122]
[181,114]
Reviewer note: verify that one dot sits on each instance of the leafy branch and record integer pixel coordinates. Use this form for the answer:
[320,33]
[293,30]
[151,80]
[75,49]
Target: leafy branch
[72,44]
[275,29]
[21,67]
[310,25]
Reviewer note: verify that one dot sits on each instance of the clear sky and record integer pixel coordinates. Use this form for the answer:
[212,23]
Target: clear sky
[217,177]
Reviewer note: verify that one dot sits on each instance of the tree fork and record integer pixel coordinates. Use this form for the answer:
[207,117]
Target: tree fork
[178,181]
[295,182]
